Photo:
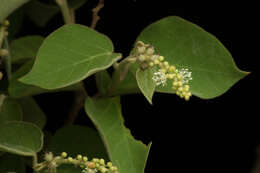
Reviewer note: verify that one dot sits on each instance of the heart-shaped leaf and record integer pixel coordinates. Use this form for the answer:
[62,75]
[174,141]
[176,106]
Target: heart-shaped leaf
[124,151]
[69,55]
[186,45]
[20,138]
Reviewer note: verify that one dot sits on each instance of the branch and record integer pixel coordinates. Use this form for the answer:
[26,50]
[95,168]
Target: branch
[95,16]
[65,11]
[78,103]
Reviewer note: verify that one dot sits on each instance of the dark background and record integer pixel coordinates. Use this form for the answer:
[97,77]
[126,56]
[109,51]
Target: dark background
[221,134]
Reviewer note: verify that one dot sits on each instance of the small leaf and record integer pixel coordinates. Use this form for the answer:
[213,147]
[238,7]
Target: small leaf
[7,7]
[145,82]
[20,138]
[32,112]
[25,48]
[186,45]
[18,89]
[75,140]
[10,163]
[124,151]
[10,110]
[69,55]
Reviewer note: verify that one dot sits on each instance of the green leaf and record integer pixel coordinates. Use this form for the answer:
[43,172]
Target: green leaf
[186,45]
[32,112]
[20,138]
[25,48]
[10,163]
[129,84]
[69,55]
[10,110]
[7,7]
[75,140]
[36,10]
[125,152]
[18,89]
[103,81]
[145,83]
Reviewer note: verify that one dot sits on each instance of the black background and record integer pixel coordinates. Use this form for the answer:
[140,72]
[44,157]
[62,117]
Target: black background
[217,135]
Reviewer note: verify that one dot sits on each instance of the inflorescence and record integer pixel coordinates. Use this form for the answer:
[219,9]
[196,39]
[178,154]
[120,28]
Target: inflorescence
[89,166]
[147,57]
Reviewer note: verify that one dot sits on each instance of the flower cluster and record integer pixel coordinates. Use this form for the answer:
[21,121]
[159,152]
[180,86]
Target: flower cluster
[89,166]
[146,56]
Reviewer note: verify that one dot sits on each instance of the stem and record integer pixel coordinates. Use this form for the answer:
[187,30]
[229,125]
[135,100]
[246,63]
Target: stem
[7,60]
[72,14]
[35,162]
[2,35]
[78,103]
[95,17]
[120,73]
[65,11]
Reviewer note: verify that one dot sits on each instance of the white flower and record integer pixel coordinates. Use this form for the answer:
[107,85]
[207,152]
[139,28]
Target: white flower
[186,75]
[160,78]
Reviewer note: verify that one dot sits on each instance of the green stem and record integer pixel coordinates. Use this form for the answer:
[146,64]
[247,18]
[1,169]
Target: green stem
[2,34]
[7,60]
[65,11]
[120,73]
[35,161]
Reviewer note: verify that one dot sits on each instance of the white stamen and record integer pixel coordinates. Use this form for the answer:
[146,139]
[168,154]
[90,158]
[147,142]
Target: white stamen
[160,78]
[186,75]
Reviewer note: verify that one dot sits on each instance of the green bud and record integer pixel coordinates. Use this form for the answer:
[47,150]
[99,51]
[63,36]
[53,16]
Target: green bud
[63,154]
[85,159]
[79,157]
[70,159]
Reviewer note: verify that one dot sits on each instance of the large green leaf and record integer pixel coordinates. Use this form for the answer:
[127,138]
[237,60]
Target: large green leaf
[10,163]
[20,138]
[8,6]
[146,85]
[25,47]
[32,112]
[186,45]
[10,110]
[19,89]
[75,140]
[69,55]
[125,152]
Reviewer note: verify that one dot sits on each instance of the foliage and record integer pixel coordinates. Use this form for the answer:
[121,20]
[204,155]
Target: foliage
[171,55]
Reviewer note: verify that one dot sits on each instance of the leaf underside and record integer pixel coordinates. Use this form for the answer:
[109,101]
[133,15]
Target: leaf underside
[120,144]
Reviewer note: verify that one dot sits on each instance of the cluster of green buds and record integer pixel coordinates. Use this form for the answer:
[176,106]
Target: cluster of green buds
[147,57]
[94,165]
